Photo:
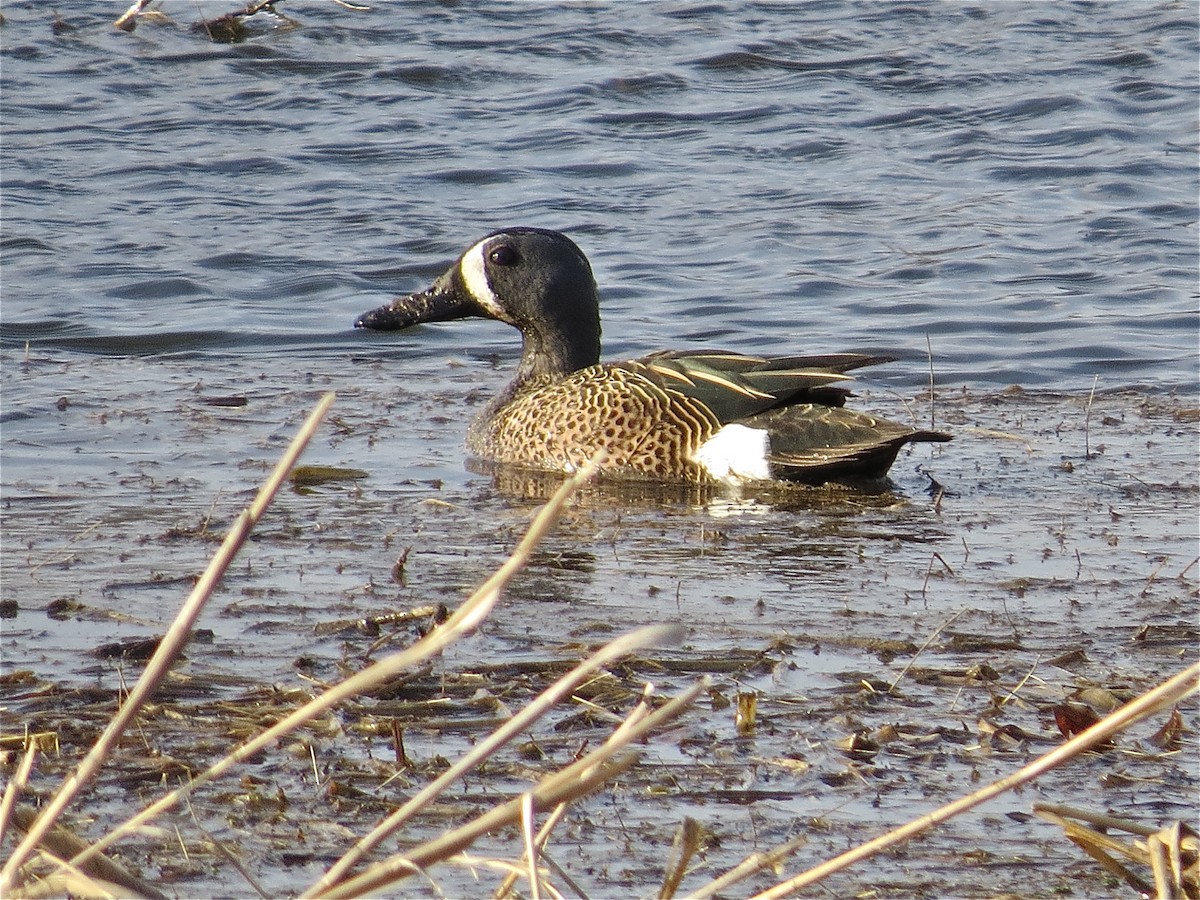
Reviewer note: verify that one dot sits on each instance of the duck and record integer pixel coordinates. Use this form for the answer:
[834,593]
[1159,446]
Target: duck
[705,416]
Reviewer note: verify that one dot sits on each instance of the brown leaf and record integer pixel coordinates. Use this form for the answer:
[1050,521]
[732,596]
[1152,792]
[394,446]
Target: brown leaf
[1074,718]
[1170,736]
[858,746]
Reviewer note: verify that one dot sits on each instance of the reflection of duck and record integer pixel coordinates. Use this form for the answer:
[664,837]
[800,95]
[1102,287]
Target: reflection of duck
[673,416]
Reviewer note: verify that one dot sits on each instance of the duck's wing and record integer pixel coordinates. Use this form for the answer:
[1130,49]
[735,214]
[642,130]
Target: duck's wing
[814,443]
[735,385]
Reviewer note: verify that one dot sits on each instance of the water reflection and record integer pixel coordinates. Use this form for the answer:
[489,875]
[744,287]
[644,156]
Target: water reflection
[718,500]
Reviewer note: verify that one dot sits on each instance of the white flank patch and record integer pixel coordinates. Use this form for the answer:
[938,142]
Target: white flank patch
[474,275]
[735,454]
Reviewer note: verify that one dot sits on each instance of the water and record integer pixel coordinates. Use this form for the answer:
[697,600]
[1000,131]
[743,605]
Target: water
[1012,185]
[1016,182]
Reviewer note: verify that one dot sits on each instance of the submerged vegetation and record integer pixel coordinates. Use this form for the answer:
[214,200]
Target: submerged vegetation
[485,768]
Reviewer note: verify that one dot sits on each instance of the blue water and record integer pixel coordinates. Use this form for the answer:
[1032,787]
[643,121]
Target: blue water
[1015,183]
[1010,185]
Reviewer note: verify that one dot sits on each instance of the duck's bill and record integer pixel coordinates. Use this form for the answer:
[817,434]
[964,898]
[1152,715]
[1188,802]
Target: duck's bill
[440,303]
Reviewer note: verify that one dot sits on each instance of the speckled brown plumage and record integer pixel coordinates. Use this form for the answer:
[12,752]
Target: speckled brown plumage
[646,429]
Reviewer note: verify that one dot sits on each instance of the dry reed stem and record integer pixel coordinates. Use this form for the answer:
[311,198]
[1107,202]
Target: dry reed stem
[15,786]
[1087,421]
[463,621]
[1168,692]
[60,844]
[620,735]
[511,869]
[653,635]
[932,391]
[1097,846]
[1162,851]
[1168,880]
[70,882]
[687,842]
[531,853]
[543,839]
[384,874]
[752,864]
[912,661]
[616,740]
[128,20]
[168,650]
[226,854]
[1167,862]
[1057,812]
[543,836]
[566,879]
[576,780]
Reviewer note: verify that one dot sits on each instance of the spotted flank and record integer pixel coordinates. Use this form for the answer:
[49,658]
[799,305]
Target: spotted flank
[702,417]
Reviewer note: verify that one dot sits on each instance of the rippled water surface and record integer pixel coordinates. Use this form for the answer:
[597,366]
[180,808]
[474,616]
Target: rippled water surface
[189,230]
[1015,181]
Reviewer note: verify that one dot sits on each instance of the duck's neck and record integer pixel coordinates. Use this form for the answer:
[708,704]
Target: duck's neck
[550,353]
[556,353]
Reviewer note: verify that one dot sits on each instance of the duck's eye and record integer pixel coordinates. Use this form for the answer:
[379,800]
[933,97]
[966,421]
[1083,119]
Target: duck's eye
[504,255]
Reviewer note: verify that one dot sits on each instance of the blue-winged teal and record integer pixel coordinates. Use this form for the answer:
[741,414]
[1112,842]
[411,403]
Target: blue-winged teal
[695,417]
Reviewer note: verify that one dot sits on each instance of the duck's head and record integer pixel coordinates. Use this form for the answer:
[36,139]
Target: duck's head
[534,279]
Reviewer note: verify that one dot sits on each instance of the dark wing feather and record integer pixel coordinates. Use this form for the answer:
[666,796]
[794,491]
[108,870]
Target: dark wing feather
[812,443]
[735,385]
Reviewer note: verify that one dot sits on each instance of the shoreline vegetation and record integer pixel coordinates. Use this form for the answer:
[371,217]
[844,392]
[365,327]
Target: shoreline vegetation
[146,741]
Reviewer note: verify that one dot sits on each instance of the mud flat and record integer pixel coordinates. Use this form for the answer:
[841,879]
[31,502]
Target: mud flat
[902,646]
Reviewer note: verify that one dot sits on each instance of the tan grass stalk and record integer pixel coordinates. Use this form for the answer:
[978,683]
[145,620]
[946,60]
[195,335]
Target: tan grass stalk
[559,871]
[543,836]
[650,636]
[616,739]
[1162,851]
[59,844]
[67,881]
[512,869]
[1101,848]
[463,621]
[16,785]
[1087,421]
[686,844]
[128,19]
[226,854]
[168,650]
[1172,878]
[636,715]
[620,735]
[576,780]
[531,849]
[1058,812]
[928,641]
[383,874]
[751,865]
[932,392]
[1168,692]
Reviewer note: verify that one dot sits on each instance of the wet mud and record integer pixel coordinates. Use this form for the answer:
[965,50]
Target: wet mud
[902,645]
